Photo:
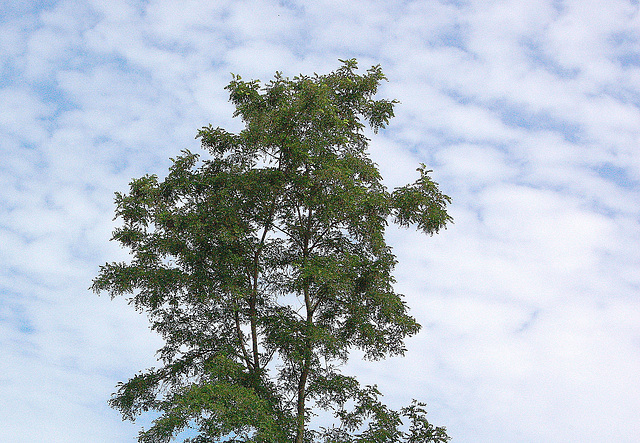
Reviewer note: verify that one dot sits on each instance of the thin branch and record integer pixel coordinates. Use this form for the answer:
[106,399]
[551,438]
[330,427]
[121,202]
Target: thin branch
[240,335]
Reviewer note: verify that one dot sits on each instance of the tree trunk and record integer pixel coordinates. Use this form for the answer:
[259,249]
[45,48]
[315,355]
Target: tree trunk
[302,384]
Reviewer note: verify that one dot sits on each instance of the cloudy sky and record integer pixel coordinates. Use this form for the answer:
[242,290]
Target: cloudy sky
[528,111]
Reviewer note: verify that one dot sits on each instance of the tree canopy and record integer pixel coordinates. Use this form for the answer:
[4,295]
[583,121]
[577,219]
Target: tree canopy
[264,263]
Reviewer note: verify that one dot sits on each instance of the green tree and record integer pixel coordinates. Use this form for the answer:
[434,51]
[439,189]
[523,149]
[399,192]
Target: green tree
[264,264]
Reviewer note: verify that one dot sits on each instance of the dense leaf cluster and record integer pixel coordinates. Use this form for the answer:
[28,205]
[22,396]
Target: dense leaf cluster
[264,264]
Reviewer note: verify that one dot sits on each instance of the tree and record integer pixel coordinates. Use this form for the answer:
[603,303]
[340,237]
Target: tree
[264,264]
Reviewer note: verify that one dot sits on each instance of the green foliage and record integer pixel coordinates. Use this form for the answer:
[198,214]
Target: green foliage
[263,265]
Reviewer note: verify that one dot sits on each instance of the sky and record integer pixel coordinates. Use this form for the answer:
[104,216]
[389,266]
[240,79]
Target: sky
[527,111]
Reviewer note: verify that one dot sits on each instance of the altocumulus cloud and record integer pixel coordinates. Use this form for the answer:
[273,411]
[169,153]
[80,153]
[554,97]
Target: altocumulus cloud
[527,111]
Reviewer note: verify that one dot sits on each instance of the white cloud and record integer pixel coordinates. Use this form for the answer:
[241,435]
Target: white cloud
[527,111]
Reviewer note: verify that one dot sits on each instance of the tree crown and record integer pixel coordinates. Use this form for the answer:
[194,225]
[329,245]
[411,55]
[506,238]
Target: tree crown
[264,264]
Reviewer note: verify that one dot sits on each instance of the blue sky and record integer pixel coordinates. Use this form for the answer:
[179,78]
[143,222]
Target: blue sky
[528,111]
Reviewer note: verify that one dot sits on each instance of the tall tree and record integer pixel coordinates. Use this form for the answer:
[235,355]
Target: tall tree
[265,263]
